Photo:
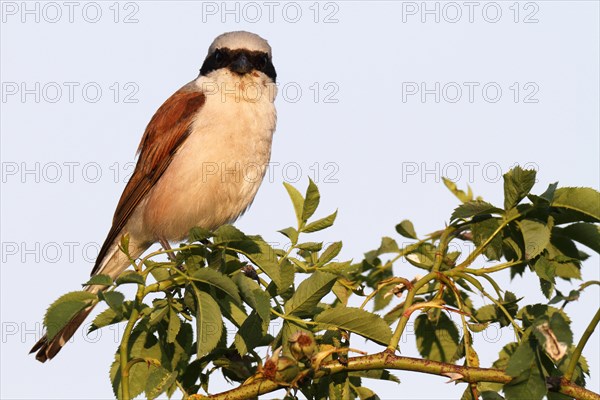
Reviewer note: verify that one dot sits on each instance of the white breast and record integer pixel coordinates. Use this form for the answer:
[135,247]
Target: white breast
[217,171]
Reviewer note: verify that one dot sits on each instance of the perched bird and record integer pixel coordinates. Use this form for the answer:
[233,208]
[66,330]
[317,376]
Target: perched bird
[201,160]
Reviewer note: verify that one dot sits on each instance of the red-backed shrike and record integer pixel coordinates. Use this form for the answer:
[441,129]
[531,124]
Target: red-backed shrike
[201,160]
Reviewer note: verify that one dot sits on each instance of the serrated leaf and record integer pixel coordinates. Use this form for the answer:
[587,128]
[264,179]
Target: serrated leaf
[228,233]
[388,245]
[142,344]
[129,277]
[320,224]
[309,293]
[545,269]
[174,325]
[158,381]
[297,200]
[218,280]
[436,341]
[310,246]
[265,257]
[461,195]
[209,324]
[105,318]
[585,233]
[482,231]
[250,334]
[198,234]
[291,234]
[406,229]
[311,201]
[64,309]
[529,385]
[536,237]
[100,279]
[114,300]
[517,184]
[580,199]
[366,393]
[330,253]
[473,208]
[254,296]
[355,320]
[521,359]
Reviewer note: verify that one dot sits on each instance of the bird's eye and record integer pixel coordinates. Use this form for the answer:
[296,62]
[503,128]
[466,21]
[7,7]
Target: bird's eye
[264,59]
[218,55]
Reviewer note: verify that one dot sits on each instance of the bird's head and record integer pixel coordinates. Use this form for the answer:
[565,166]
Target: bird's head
[241,53]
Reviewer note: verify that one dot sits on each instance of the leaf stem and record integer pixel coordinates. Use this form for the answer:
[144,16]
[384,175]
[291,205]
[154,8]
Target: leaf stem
[479,250]
[393,346]
[582,342]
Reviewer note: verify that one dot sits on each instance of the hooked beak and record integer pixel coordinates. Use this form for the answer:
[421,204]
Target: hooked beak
[241,65]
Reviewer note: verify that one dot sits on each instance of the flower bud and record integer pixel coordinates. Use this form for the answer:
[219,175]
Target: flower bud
[302,345]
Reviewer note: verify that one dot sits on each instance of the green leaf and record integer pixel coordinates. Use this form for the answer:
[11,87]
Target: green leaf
[406,229]
[105,318]
[529,385]
[250,334]
[254,296]
[113,299]
[436,341]
[580,199]
[64,309]
[517,184]
[100,279]
[174,325]
[585,233]
[130,277]
[158,381]
[218,280]
[366,393]
[536,237]
[209,324]
[291,234]
[320,224]
[297,201]
[265,257]
[198,234]
[521,360]
[312,200]
[545,269]
[361,322]
[310,246]
[309,293]
[388,245]
[462,196]
[482,231]
[142,344]
[228,233]
[473,208]
[330,253]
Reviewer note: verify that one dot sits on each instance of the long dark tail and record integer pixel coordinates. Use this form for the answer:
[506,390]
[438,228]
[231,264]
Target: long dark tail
[115,263]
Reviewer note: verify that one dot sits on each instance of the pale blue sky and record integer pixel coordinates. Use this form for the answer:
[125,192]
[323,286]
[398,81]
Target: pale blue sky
[357,112]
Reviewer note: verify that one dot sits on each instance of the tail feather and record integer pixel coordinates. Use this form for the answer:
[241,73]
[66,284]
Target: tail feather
[114,264]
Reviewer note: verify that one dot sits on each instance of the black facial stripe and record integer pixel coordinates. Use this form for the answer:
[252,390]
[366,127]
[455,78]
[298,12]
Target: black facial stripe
[221,58]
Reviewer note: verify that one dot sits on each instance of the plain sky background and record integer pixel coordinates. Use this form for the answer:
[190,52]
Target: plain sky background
[516,83]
